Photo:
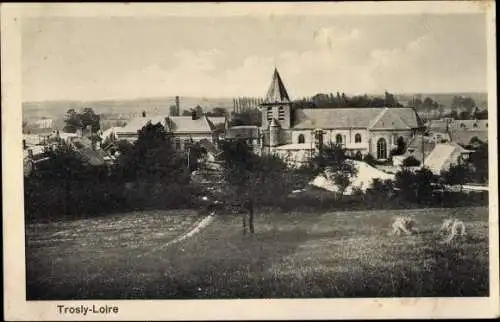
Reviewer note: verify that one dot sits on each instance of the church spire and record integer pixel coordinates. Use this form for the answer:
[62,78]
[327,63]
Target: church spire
[277,92]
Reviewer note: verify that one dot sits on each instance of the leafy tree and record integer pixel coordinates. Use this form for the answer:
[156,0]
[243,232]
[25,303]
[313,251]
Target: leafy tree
[246,174]
[79,120]
[246,117]
[199,111]
[152,158]
[479,162]
[457,174]
[186,113]
[416,186]
[333,163]
[411,161]
[380,187]
[218,112]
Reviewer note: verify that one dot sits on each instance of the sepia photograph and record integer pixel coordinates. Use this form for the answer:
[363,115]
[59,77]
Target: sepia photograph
[333,151]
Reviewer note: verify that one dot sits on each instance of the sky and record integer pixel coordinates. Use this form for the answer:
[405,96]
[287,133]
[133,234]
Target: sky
[93,58]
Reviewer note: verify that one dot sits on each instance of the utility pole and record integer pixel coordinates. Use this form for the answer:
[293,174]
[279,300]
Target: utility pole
[423,151]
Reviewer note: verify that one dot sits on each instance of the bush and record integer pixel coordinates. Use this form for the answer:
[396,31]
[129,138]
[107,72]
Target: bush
[411,162]
[369,159]
[358,156]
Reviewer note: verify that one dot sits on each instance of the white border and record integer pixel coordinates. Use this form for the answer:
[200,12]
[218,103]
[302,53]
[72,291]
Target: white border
[17,308]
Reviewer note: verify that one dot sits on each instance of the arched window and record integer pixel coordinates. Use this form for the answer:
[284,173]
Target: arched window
[357,138]
[301,138]
[338,139]
[381,149]
[474,125]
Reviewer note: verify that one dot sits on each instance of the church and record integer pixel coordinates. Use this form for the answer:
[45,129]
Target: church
[296,133]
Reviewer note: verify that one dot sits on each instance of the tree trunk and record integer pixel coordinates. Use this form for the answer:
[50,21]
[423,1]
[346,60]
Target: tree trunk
[250,217]
[244,223]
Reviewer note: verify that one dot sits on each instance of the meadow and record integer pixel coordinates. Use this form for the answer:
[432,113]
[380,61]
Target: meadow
[291,255]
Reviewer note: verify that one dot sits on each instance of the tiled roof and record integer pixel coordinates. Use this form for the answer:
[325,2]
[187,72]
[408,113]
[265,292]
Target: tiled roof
[186,124]
[388,120]
[244,132]
[355,117]
[440,155]
[277,92]
[464,137]
[138,123]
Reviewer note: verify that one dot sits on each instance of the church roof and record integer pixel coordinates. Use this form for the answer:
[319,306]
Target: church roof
[277,92]
[356,117]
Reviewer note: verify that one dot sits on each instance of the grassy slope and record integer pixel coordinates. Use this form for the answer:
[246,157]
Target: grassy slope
[292,255]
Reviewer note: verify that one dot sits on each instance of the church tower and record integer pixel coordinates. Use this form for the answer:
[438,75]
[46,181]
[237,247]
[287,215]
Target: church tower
[277,104]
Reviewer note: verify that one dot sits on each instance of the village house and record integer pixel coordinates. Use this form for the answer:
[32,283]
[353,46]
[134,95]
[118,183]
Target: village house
[250,134]
[297,132]
[184,129]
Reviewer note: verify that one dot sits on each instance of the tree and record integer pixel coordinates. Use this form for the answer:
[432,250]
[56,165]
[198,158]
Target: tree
[411,161]
[186,113]
[333,163]
[457,174]
[152,158]
[198,110]
[479,162]
[246,174]
[415,186]
[79,120]
[218,112]
[247,117]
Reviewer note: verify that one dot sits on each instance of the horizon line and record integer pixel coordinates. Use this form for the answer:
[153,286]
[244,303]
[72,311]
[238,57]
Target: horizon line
[242,96]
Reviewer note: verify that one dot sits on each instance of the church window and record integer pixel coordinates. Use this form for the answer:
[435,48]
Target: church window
[269,113]
[301,138]
[357,138]
[475,125]
[381,149]
[281,113]
[338,139]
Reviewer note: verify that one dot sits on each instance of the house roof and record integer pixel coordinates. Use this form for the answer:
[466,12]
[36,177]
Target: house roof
[464,137]
[356,117]
[277,92]
[470,124]
[440,155]
[186,124]
[242,132]
[138,123]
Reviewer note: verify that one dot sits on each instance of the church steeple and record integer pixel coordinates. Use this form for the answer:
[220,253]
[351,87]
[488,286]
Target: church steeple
[277,92]
[276,104]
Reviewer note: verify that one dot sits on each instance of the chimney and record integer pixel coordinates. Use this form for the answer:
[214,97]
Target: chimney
[177,106]
[193,115]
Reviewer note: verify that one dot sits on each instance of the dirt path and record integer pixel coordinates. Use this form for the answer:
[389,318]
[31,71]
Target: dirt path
[196,228]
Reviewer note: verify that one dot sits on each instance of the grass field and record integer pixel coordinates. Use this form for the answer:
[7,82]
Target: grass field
[336,254]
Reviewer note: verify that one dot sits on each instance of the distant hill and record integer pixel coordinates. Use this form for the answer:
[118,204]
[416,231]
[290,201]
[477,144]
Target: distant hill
[152,106]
